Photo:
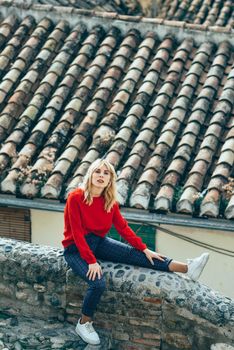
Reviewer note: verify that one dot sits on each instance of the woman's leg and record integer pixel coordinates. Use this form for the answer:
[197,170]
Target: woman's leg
[96,287]
[112,250]
[177,266]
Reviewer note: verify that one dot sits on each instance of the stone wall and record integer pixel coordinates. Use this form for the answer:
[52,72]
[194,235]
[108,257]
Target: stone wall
[40,302]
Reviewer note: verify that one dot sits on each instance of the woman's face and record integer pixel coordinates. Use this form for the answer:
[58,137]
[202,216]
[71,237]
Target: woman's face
[101,177]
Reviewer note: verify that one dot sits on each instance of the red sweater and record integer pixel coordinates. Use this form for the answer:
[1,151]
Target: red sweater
[81,219]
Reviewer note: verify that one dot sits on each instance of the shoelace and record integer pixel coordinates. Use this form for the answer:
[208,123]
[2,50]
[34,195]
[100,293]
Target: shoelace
[89,327]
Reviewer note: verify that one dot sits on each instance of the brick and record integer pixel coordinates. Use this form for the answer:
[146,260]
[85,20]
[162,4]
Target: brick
[152,336]
[146,341]
[157,301]
[104,324]
[140,322]
[130,346]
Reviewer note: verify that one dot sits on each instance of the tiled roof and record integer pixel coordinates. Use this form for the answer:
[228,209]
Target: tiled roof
[127,7]
[207,12]
[161,109]
[218,13]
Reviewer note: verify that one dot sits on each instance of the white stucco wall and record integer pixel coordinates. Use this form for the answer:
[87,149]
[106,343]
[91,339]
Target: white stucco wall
[47,229]
[219,272]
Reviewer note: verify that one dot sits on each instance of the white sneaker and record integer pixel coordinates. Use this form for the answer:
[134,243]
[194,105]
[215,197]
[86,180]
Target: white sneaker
[196,266]
[87,333]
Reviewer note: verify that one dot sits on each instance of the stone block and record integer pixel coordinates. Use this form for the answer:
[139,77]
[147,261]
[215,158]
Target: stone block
[221,346]
[120,335]
[39,288]
[138,311]
[23,285]
[177,341]
[140,322]
[6,290]
[150,342]
[22,295]
[148,335]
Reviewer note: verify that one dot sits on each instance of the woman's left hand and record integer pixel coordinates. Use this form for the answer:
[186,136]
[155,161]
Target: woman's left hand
[150,254]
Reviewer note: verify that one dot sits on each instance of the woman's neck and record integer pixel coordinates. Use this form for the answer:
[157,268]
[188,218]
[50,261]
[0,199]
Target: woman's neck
[96,193]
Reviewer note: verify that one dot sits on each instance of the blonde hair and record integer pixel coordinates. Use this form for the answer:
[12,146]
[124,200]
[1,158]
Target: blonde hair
[109,192]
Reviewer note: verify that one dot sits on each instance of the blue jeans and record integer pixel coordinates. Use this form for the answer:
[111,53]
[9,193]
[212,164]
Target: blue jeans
[110,250]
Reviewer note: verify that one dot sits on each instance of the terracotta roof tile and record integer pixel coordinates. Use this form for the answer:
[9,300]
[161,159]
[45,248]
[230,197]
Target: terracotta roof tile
[229,212]
[178,164]
[210,205]
[198,12]
[13,45]
[14,74]
[7,26]
[219,177]
[165,138]
[223,170]
[117,146]
[78,30]
[210,141]
[164,197]
[181,152]
[105,91]
[26,84]
[159,109]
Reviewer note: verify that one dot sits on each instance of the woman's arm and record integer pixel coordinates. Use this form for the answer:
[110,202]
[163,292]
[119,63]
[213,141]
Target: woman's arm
[125,231]
[129,235]
[75,221]
[150,254]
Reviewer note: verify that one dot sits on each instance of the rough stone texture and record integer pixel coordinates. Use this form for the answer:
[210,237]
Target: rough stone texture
[20,333]
[221,347]
[40,302]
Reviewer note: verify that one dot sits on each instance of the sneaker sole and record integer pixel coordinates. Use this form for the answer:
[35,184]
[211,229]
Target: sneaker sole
[87,340]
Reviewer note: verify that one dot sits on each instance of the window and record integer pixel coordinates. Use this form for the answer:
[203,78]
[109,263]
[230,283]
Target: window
[15,223]
[147,233]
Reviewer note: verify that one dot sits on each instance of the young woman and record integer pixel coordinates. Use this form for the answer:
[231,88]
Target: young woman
[89,214]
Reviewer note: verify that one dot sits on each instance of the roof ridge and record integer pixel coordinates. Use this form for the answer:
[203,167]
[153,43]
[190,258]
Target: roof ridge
[61,12]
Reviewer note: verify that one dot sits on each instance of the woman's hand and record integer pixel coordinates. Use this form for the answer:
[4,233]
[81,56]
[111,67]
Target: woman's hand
[94,269]
[150,254]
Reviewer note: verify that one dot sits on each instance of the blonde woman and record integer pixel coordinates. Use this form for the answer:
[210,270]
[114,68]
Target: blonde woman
[89,214]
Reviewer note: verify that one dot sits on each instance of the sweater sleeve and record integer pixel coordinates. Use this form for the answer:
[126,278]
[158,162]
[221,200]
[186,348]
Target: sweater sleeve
[125,231]
[77,230]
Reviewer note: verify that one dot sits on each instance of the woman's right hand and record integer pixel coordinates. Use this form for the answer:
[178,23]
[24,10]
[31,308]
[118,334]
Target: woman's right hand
[94,269]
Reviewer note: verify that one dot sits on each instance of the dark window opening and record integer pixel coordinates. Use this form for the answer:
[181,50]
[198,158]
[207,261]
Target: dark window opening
[15,223]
